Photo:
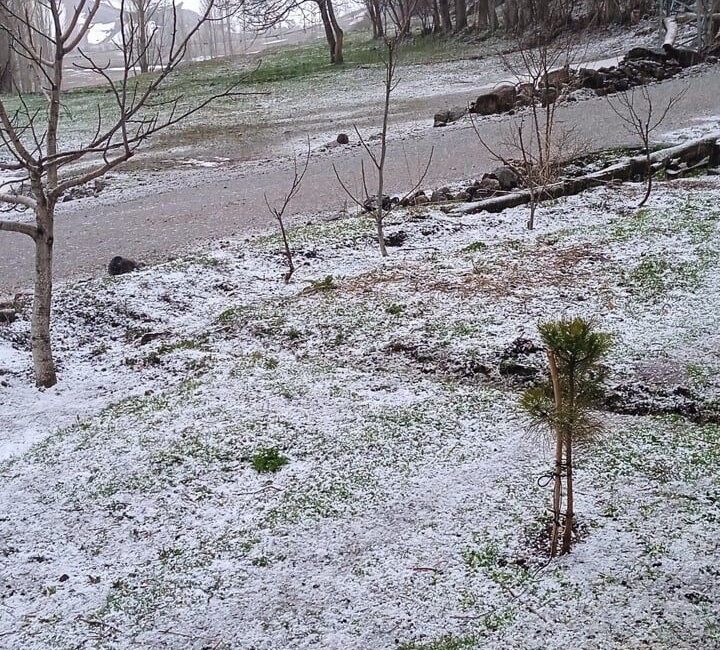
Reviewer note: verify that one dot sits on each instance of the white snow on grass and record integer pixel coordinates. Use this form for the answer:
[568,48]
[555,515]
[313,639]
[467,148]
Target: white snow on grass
[411,507]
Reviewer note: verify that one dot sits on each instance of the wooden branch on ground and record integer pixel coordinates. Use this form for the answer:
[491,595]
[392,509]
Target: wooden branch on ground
[689,152]
[671,29]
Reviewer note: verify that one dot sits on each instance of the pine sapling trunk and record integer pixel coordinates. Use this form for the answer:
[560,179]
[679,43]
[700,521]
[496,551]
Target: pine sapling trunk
[43,364]
[569,510]
[569,505]
[557,473]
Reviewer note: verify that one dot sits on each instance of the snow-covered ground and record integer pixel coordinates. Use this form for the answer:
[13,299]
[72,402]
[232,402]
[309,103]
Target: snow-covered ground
[409,512]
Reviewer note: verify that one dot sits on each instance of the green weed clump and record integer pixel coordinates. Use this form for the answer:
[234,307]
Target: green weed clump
[268,460]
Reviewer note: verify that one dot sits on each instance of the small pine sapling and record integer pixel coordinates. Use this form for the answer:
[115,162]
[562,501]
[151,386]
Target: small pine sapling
[564,403]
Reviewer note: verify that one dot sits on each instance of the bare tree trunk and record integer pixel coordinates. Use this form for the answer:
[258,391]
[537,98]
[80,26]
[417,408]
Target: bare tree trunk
[231,49]
[142,36]
[569,500]
[460,15]
[6,54]
[648,176]
[329,32]
[43,363]
[444,7]
[375,13]
[338,58]
[437,24]
[557,473]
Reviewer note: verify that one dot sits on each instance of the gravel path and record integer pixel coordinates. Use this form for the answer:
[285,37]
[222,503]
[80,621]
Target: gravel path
[206,204]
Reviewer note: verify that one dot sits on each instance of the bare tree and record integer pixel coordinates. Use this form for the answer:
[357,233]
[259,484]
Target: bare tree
[278,212]
[538,142]
[376,18]
[460,15]
[639,117]
[376,201]
[141,14]
[266,14]
[445,17]
[34,148]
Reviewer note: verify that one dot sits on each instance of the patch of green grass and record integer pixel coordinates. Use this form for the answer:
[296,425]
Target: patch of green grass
[360,50]
[268,460]
[229,315]
[321,286]
[655,275]
[443,643]
[696,217]
[394,309]
[698,374]
[476,247]
[318,500]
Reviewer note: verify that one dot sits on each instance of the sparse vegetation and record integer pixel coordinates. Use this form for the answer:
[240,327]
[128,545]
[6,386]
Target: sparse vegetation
[268,460]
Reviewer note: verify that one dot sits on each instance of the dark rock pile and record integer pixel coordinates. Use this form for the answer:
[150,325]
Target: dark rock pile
[85,191]
[640,66]
[498,181]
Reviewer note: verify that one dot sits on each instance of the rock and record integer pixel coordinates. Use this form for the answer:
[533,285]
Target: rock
[521,360]
[500,100]
[549,95]
[7,315]
[621,85]
[441,195]
[591,79]
[84,191]
[462,196]
[648,398]
[557,78]
[490,184]
[520,346]
[343,138]
[396,239]
[443,118]
[121,265]
[507,178]
[685,56]
[370,205]
[418,198]
[525,92]
[510,368]
[646,54]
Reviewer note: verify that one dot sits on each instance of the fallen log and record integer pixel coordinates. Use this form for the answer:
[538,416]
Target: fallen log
[671,29]
[624,170]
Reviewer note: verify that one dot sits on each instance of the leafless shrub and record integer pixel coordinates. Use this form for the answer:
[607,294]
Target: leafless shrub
[641,118]
[376,201]
[278,212]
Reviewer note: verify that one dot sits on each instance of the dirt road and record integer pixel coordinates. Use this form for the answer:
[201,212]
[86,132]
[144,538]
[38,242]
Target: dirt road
[228,202]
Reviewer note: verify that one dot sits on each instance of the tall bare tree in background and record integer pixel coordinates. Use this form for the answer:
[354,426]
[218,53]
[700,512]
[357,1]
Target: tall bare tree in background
[266,14]
[141,15]
[15,70]
[31,129]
